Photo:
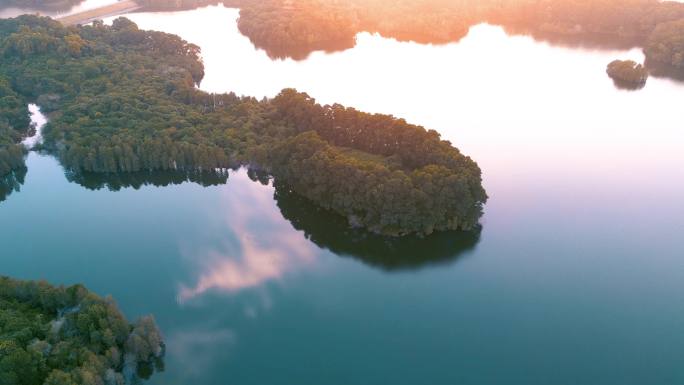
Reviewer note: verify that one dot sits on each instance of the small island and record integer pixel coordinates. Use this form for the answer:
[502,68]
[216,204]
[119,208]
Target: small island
[627,73]
[69,335]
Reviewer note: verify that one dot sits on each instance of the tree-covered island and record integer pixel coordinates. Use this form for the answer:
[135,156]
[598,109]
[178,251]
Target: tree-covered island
[124,100]
[67,335]
[627,73]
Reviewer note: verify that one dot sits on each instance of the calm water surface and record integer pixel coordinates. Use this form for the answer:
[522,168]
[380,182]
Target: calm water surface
[85,5]
[576,278]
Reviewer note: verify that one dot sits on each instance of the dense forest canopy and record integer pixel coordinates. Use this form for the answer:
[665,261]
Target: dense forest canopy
[14,124]
[124,100]
[68,335]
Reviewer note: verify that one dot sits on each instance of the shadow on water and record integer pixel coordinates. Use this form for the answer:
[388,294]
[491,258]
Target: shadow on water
[628,86]
[145,370]
[12,182]
[662,70]
[302,52]
[331,231]
[136,180]
[598,41]
[322,227]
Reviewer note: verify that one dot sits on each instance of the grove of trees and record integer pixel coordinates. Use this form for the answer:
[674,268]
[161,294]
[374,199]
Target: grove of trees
[14,124]
[123,100]
[67,335]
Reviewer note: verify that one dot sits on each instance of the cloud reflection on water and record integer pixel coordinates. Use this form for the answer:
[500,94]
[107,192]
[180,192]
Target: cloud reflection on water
[266,247]
[198,348]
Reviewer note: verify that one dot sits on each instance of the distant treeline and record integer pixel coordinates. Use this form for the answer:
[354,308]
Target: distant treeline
[295,28]
[281,26]
[124,100]
[68,335]
[288,28]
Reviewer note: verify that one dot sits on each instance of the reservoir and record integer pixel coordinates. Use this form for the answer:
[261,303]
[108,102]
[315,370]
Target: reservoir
[576,276]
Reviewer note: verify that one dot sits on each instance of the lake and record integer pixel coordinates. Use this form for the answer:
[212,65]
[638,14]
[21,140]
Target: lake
[576,277]
[85,5]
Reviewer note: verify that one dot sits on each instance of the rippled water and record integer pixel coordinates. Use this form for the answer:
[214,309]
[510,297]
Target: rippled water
[576,277]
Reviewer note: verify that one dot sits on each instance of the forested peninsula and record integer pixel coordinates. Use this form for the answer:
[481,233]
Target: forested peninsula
[68,335]
[124,100]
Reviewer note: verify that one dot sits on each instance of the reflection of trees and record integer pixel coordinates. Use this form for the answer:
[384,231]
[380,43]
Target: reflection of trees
[11,182]
[331,231]
[601,41]
[302,52]
[662,70]
[117,181]
[625,85]
[322,227]
[145,370]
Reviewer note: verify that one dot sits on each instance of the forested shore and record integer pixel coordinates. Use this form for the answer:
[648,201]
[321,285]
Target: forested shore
[286,28]
[300,27]
[123,100]
[69,335]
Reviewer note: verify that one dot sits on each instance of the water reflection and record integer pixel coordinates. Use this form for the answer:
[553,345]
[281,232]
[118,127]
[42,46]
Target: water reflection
[600,41]
[628,86]
[303,52]
[605,42]
[59,10]
[662,70]
[12,182]
[330,231]
[263,248]
[198,349]
[268,232]
[136,180]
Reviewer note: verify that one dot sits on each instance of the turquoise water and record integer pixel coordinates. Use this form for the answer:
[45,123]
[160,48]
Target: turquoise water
[575,278]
